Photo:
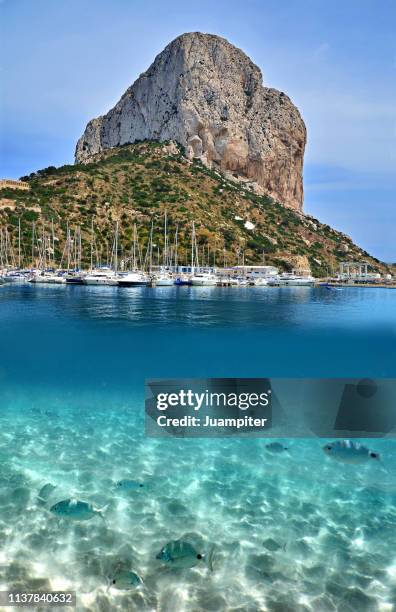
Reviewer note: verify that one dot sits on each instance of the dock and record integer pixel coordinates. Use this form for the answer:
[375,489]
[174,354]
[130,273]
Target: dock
[368,285]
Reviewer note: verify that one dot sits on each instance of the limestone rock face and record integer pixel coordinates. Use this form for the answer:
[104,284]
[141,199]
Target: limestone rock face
[207,95]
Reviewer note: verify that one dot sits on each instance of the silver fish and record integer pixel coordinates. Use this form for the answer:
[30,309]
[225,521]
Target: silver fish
[275,447]
[129,485]
[76,510]
[180,554]
[125,580]
[347,451]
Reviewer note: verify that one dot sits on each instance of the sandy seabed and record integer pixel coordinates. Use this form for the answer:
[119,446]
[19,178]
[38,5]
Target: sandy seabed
[292,531]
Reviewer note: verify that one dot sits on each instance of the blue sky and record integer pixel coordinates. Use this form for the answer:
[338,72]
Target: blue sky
[66,61]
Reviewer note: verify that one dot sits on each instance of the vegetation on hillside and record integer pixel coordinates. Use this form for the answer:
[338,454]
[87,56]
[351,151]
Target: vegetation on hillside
[136,184]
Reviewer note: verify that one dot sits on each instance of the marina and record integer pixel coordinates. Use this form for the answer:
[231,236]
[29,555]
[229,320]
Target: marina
[230,277]
[152,265]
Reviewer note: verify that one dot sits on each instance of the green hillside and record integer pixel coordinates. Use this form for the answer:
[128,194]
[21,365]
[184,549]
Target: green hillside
[137,183]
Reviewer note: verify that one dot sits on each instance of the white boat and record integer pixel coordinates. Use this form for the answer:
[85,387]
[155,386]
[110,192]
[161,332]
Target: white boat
[133,279]
[101,277]
[226,281]
[163,280]
[75,278]
[291,279]
[259,282]
[47,278]
[14,277]
[203,279]
[104,276]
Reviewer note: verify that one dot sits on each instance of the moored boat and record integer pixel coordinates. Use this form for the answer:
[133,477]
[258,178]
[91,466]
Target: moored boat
[203,279]
[47,278]
[163,280]
[183,280]
[103,277]
[133,279]
[291,279]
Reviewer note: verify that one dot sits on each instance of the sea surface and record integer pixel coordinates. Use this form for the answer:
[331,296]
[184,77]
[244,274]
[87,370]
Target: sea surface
[293,531]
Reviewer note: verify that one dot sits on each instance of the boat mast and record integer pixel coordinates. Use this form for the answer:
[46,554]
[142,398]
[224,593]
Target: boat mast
[92,242]
[19,243]
[192,247]
[53,242]
[165,244]
[79,247]
[151,247]
[116,249]
[33,232]
[176,245]
[134,247]
[44,247]
[68,246]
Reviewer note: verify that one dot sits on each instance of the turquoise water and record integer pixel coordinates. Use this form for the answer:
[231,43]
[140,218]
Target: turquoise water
[292,532]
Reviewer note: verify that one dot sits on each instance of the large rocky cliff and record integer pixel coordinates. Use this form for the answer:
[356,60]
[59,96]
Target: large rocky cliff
[207,95]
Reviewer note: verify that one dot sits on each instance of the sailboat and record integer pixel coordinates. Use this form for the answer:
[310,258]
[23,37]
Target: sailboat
[74,275]
[101,276]
[46,274]
[198,278]
[135,278]
[164,278]
[105,275]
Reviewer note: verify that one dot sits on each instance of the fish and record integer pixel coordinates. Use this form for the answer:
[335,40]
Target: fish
[129,485]
[180,554]
[276,447]
[45,492]
[76,510]
[347,451]
[125,580]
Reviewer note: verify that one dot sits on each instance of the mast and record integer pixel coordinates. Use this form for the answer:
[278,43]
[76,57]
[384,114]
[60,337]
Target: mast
[92,243]
[44,246]
[134,246]
[33,232]
[192,247]
[165,244]
[75,242]
[176,245]
[19,243]
[151,247]
[79,247]
[116,249]
[68,246]
[53,242]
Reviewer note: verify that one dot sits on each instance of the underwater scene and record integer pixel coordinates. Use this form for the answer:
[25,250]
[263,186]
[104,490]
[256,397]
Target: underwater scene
[89,504]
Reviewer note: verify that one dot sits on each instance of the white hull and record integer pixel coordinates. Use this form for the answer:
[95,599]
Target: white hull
[292,282]
[296,283]
[103,281]
[227,282]
[164,282]
[48,280]
[133,279]
[14,279]
[259,282]
[199,282]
